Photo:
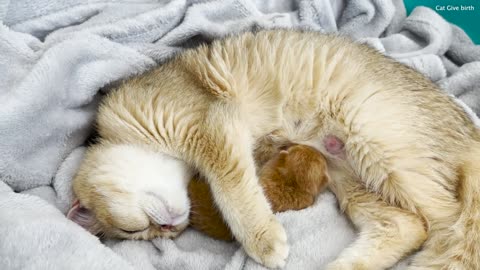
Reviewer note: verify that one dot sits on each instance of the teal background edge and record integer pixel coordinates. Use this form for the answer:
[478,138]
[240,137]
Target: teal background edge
[469,21]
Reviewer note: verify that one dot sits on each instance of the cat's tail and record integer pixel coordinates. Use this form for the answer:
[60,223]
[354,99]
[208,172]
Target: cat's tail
[466,250]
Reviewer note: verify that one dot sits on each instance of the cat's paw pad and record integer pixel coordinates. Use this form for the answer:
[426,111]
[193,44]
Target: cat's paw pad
[269,246]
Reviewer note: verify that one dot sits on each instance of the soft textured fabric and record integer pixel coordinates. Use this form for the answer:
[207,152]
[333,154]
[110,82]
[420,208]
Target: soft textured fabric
[56,57]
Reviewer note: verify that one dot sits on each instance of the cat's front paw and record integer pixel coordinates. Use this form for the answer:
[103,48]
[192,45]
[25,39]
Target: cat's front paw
[268,245]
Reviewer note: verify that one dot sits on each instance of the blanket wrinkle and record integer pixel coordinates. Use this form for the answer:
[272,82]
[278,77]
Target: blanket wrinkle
[56,56]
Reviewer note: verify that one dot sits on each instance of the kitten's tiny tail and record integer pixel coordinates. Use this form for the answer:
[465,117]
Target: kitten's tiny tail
[465,253]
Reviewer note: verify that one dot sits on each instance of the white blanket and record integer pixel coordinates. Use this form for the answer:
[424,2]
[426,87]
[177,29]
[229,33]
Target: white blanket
[57,56]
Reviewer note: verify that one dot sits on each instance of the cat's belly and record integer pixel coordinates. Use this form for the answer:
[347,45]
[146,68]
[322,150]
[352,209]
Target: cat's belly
[328,137]
[325,135]
[333,149]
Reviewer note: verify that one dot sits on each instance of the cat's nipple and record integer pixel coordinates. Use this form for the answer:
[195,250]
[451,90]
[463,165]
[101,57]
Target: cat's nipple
[334,145]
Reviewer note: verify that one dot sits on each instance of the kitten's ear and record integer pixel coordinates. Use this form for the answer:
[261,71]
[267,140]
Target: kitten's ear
[282,155]
[82,216]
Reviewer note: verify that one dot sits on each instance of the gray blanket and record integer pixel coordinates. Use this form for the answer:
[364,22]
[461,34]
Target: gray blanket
[57,56]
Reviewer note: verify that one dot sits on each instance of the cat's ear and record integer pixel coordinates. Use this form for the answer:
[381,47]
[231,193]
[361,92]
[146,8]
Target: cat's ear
[82,216]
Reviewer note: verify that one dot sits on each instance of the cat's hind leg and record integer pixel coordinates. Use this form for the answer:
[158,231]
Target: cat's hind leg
[386,234]
[438,253]
[223,153]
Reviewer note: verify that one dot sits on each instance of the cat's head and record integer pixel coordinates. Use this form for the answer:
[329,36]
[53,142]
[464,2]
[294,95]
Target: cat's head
[126,191]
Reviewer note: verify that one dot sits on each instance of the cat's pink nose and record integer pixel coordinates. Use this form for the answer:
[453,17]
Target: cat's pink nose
[166,227]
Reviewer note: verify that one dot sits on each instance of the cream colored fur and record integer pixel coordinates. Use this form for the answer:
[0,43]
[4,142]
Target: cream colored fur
[135,187]
[410,176]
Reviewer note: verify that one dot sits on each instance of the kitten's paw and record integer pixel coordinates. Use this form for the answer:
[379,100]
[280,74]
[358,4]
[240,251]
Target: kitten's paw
[269,246]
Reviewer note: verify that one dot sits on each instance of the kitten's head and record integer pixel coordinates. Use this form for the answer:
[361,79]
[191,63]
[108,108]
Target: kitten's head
[304,165]
[126,191]
[299,171]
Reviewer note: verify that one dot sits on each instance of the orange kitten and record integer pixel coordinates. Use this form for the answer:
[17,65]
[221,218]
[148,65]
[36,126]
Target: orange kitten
[291,180]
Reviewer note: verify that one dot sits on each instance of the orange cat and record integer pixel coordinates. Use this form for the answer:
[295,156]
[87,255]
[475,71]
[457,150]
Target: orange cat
[402,155]
[291,180]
